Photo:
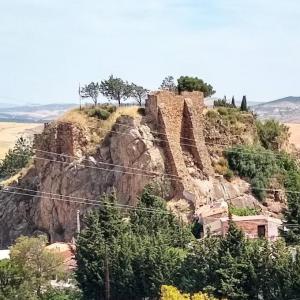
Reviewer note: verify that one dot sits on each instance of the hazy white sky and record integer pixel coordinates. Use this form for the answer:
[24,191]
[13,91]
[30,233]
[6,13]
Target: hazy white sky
[239,46]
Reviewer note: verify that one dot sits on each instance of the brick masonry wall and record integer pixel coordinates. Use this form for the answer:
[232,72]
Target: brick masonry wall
[250,228]
[178,117]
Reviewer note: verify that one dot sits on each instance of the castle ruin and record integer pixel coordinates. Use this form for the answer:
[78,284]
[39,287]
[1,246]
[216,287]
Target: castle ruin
[179,120]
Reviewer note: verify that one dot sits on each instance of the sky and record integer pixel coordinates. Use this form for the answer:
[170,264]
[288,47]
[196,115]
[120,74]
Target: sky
[241,47]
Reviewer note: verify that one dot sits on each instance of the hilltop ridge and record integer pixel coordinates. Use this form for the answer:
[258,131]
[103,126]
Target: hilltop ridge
[104,149]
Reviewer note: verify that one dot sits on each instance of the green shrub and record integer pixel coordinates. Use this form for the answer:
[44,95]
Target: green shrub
[142,111]
[110,108]
[229,175]
[99,113]
[222,103]
[255,164]
[16,158]
[259,166]
[243,211]
[272,134]
[223,111]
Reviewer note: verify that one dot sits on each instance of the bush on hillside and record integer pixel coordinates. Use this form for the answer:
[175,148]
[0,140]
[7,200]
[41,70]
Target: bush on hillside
[243,211]
[255,164]
[99,113]
[16,158]
[272,134]
[259,166]
[222,103]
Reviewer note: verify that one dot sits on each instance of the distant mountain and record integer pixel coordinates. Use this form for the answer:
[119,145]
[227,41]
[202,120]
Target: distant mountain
[286,110]
[33,113]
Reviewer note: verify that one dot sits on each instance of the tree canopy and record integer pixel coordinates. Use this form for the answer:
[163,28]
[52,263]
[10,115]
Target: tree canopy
[190,84]
[168,84]
[115,88]
[28,273]
[16,158]
[141,253]
[139,93]
[92,91]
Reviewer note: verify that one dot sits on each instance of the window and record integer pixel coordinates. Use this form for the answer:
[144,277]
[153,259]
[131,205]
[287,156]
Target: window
[261,230]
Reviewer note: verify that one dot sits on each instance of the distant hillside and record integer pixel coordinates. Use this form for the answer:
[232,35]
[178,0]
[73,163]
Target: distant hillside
[33,113]
[286,110]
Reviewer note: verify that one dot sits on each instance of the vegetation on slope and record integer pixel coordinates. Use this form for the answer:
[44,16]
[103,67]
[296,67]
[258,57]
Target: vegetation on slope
[151,248]
[28,273]
[97,121]
[16,158]
[273,135]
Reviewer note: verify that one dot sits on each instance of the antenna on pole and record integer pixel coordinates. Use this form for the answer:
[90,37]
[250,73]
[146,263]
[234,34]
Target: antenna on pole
[79,93]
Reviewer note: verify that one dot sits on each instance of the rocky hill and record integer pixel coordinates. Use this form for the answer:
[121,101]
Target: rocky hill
[175,142]
[286,110]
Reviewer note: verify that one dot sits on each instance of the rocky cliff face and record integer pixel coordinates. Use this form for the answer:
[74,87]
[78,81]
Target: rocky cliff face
[66,176]
[113,167]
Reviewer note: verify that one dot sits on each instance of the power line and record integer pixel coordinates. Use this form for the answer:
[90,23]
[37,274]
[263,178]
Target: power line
[99,168]
[152,176]
[77,198]
[105,163]
[99,204]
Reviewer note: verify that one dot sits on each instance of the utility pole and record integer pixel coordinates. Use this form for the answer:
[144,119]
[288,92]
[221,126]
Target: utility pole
[78,221]
[107,283]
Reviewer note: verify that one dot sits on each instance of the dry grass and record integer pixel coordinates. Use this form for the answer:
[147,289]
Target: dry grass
[295,134]
[96,129]
[9,133]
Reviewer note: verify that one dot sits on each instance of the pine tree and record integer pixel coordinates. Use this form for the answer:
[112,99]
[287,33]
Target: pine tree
[232,266]
[143,252]
[234,242]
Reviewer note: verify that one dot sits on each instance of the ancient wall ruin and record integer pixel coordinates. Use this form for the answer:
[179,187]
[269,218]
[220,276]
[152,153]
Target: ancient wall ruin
[179,120]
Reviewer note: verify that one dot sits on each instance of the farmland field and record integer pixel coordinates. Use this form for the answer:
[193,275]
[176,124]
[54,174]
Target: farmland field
[295,134]
[10,131]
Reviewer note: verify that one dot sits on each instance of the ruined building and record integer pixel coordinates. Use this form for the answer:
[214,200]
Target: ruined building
[179,121]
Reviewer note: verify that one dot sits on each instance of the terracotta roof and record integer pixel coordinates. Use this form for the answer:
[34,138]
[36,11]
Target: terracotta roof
[67,251]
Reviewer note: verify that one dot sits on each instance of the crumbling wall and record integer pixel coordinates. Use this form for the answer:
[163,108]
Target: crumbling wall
[179,120]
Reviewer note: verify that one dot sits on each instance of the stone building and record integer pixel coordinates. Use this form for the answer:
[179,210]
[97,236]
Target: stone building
[252,226]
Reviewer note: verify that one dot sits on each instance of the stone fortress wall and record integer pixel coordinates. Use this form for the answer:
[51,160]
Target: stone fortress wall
[179,120]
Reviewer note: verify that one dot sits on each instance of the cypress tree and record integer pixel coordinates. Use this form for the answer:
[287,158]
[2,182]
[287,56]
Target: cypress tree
[244,106]
[233,102]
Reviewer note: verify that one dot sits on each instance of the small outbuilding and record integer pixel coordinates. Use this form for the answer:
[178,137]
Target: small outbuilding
[255,226]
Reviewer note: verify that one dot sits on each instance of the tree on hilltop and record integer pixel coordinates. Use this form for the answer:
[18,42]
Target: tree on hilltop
[168,84]
[115,88]
[139,93]
[244,106]
[233,102]
[91,90]
[190,84]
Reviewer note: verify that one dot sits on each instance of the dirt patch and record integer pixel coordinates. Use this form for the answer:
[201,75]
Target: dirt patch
[9,133]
